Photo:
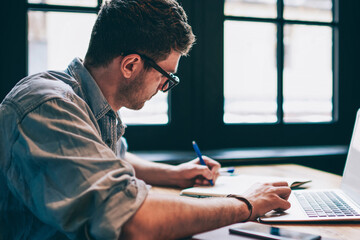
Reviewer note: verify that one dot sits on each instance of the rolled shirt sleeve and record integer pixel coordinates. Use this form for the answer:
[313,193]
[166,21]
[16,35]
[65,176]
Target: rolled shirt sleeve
[67,177]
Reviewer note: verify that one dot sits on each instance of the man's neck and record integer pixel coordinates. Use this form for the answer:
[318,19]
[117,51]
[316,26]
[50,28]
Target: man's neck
[107,84]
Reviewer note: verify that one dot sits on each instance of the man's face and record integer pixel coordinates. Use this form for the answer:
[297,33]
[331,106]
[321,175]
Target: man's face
[148,82]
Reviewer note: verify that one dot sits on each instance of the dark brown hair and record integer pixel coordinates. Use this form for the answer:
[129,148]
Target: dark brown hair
[149,27]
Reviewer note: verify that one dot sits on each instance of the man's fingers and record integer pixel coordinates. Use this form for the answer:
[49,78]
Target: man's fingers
[210,171]
[202,182]
[203,171]
[215,176]
[279,184]
[214,166]
[211,163]
[198,181]
[283,191]
[283,205]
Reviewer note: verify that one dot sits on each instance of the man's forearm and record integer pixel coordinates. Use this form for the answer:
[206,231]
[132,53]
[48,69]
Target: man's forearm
[171,217]
[151,172]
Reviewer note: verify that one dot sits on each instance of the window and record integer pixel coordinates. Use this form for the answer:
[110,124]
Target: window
[278,61]
[51,40]
[250,76]
[58,31]
[154,112]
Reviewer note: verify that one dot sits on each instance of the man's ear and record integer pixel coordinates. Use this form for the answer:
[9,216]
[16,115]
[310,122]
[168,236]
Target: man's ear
[130,64]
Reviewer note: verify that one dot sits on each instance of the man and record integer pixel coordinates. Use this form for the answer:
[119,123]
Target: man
[65,171]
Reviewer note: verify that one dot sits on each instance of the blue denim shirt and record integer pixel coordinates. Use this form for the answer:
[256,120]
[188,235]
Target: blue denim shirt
[62,175]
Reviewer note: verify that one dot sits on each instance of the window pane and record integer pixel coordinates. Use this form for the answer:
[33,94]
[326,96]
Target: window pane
[308,74]
[55,38]
[250,75]
[251,8]
[310,10]
[83,3]
[154,112]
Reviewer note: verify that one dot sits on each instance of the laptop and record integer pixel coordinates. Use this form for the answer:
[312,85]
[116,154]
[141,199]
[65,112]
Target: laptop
[321,205]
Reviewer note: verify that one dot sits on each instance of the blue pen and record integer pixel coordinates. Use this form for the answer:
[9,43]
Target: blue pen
[198,153]
[227,170]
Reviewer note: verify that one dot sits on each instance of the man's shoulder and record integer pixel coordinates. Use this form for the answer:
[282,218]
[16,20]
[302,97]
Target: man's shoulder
[34,90]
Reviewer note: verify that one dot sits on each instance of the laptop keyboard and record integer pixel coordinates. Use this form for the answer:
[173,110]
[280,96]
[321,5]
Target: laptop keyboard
[324,204]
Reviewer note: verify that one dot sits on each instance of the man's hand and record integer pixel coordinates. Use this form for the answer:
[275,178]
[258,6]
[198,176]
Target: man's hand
[268,196]
[184,175]
[192,173]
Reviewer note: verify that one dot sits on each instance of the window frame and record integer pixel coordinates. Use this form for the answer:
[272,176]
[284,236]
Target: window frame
[215,134]
[258,134]
[196,105]
[43,7]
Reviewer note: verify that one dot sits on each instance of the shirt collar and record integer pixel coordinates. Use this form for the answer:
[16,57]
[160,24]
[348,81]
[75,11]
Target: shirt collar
[92,93]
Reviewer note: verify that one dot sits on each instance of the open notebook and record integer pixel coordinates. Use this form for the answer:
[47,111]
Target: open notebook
[226,185]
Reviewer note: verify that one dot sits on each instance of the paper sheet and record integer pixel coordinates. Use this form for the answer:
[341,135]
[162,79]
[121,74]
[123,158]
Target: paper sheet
[239,184]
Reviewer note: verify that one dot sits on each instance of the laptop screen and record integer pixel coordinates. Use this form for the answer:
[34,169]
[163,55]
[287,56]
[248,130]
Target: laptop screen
[351,178]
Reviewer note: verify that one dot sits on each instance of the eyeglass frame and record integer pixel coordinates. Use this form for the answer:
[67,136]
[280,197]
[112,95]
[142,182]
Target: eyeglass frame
[172,79]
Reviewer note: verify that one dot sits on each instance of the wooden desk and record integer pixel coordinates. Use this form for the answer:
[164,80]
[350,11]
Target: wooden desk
[344,231]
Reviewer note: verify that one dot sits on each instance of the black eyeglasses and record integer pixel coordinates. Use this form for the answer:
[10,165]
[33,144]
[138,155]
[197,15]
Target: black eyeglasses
[171,81]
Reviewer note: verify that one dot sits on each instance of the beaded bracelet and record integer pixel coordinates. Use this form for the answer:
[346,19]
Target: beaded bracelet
[249,205]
